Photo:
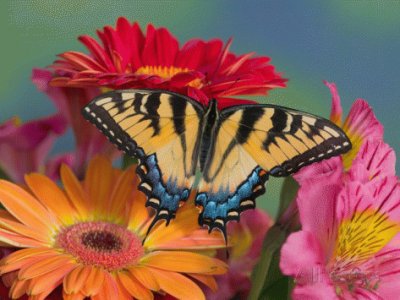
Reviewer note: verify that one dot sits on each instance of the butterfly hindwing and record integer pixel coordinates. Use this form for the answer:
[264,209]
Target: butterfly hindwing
[153,126]
[252,142]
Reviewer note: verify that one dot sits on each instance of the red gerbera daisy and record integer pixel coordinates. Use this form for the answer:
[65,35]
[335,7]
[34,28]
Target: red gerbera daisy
[200,69]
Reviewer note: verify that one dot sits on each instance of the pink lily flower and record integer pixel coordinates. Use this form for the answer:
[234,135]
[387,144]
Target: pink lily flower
[346,242]
[350,217]
[24,147]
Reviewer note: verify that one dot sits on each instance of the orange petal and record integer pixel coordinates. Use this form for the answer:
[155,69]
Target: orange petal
[27,253]
[134,287]
[108,290]
[74,190]
[14,239]
[122,192]
[208,280]
[123,294]
[9,278]
[177,285]
[78,296]
[183,261]
[98,183]
[94,281]
[26,208]
[184,223]
[44,266]
[23,230]
[5,268]
[198,239]
[75,279]
[49,281]
[51,196]
[6,215]
[18,288]
[139,213]
[145,277]
[17,260]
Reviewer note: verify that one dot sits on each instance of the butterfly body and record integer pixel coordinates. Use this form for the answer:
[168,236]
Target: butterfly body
[208,130]
[236,149]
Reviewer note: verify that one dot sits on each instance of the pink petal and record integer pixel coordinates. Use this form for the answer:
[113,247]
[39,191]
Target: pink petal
[382,195]
[336,110]
[317,203]
[23,148]
[309,264]
[53,164]
[375,159]
[316,291]
[331,168]
[362,122]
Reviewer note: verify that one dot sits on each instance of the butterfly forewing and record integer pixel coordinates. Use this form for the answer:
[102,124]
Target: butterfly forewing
[253,141]
[162,130]
[283,140]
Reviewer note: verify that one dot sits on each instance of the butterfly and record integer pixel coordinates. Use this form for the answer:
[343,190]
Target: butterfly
[236,148]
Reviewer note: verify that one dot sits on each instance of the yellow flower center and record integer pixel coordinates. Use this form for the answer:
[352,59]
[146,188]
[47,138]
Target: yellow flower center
[102,244]
[359,239]
[167,73]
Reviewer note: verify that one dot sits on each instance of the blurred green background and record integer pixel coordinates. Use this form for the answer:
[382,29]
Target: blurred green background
[355,44]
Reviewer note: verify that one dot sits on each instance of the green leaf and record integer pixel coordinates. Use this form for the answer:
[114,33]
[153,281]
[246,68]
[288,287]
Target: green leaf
[288,194]
[128,161]
[267,280]
[271,245]
[278,286]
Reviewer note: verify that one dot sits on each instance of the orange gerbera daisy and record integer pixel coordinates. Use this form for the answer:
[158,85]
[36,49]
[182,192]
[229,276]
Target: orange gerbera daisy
[88,238]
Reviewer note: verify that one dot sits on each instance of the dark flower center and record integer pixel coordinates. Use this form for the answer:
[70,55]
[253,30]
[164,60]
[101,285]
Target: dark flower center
[101,241]
[102,244]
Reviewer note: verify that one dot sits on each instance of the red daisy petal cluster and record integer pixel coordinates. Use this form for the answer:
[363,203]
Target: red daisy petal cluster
[128,58]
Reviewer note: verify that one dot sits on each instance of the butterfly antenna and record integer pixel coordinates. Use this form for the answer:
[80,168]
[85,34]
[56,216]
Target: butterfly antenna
[154,222]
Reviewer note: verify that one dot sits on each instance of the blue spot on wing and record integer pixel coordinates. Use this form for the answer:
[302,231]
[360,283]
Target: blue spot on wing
[163,196]
[220,207]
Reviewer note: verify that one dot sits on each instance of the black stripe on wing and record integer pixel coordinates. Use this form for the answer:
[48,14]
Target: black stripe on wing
[319,138]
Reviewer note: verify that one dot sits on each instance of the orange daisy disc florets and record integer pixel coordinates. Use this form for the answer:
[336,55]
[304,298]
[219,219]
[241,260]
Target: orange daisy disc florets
[103,244]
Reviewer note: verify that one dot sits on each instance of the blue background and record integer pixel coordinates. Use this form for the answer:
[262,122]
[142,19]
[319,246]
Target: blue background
[355,44]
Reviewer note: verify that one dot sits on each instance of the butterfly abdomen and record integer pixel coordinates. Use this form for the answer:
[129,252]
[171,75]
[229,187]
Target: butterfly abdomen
[209,123]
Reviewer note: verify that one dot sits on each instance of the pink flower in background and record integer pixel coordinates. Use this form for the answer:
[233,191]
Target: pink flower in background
[69,102]
[359,125]
[246,239]
[24,147]
[129,58]
[349,210]
[346,242]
